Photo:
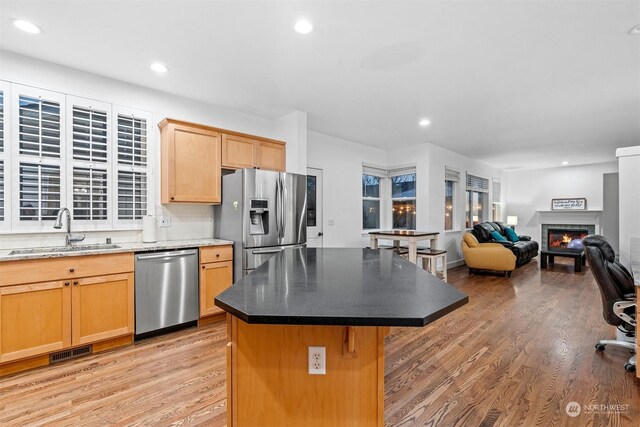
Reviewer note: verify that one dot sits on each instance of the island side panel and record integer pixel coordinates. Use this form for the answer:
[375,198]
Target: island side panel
[270,383]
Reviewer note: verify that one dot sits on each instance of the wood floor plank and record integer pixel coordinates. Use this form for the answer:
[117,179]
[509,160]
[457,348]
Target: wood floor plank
[514,356]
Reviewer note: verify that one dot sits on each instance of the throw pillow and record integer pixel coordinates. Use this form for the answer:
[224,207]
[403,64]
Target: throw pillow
[497,236]
[512,235]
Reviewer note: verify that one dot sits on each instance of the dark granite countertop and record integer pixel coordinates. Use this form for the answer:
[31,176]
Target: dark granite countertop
[349,287]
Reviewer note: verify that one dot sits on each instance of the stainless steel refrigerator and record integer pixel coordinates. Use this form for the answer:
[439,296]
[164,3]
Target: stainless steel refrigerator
[263,212]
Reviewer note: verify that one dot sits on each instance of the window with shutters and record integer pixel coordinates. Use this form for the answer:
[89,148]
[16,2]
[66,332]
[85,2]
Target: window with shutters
[496,200]
[58,150]
[131,164]
[89,156]
[37,149]
[477,197]
[4,96]
[451,179]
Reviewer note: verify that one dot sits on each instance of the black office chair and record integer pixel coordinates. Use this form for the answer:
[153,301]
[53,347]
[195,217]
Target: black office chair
[617,291]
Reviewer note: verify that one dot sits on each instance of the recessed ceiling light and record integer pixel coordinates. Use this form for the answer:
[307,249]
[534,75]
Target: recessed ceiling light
[425,122]
[635,31]
[159,67]
[565,163]
[303,26]
[27,27]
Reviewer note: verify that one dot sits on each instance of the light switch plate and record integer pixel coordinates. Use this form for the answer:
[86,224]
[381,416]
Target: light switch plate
[165,221]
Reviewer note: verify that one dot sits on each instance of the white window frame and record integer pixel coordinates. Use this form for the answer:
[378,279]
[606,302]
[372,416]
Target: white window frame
[89,225]
[5,156]
[16,158]
[131,224]
[455,223]
[485,209]
[378,173]
[400,172]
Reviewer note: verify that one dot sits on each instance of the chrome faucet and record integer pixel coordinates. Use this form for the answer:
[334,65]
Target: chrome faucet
[58,224]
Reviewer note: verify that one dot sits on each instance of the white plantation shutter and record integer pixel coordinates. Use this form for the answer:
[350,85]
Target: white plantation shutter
[496,190]
[4,98]
[132,172]
[39,191]
[476,183]
[2,190]
[89,155]
[37,156]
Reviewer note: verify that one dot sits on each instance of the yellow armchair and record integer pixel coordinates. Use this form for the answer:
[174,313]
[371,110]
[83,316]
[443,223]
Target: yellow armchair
[487,256]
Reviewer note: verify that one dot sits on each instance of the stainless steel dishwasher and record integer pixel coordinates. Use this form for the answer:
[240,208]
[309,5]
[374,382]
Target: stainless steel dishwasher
[166,290]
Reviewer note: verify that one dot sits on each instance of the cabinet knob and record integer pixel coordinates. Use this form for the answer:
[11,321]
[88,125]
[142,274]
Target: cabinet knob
[71,270]
[172,198]
[66,283]
[217,255]
[75,282]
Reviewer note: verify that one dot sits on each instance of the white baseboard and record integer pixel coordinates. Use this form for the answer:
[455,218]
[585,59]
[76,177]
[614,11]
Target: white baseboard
[456,263]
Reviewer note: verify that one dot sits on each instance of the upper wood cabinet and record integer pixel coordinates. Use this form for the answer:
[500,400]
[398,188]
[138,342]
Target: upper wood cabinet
[244,152]
[238,152]
[191,163]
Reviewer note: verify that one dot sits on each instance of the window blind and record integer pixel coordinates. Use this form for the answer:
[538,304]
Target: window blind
[39,191]
[496,189]
[39,127]
[476,183]
[1,121]
[374,171]
[132,195]
[451,175]
[89,134]
[89,194]
[1,190]
[132,141]
[401,171]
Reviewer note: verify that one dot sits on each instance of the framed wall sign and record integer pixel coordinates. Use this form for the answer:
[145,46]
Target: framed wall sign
[569,204]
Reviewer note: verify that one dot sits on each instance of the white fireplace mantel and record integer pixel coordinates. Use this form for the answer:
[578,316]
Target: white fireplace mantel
[590,217]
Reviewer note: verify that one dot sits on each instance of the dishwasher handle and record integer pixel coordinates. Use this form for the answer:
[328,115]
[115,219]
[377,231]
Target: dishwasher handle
[172,254]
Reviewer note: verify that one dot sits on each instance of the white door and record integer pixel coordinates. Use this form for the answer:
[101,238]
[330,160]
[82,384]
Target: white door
[314,208]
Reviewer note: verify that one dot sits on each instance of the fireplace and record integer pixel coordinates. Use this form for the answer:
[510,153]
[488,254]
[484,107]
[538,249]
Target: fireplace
[565,238]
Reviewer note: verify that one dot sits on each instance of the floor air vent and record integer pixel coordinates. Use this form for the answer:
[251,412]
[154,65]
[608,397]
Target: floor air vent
[69,354]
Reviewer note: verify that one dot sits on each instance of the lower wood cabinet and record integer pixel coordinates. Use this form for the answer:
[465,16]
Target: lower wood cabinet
[214,278]
[34,319]
[39,318]
[216,275]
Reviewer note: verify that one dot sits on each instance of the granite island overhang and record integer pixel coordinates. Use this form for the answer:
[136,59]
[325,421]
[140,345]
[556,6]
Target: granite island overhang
[342,299]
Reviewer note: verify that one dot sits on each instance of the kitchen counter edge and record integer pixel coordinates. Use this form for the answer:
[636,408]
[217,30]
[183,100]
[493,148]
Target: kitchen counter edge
[123,247]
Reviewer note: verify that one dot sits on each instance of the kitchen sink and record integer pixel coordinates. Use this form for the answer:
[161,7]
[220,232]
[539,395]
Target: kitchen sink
[53,249]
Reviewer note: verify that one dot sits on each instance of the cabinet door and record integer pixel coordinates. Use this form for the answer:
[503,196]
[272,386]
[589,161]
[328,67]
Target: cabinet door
[102,308]
[271,156]
[214,278]
[34,319]
[194,165]
[238,152]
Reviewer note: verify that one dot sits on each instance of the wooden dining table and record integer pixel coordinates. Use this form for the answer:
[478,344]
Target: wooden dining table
[411,236]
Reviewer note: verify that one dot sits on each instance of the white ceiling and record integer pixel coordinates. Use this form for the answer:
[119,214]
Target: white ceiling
[512,83]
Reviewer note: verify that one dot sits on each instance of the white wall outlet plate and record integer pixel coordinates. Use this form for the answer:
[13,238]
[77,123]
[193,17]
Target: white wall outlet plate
[332,222]
[317,361]
[165,221]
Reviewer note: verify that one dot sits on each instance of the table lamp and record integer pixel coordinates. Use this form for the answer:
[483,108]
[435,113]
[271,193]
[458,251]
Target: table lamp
[512,221]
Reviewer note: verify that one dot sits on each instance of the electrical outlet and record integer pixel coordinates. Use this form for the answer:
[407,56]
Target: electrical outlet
[165,221]
[317,361]
[332,222]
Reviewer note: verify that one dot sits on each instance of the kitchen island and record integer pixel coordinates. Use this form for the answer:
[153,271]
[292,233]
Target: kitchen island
[340,300]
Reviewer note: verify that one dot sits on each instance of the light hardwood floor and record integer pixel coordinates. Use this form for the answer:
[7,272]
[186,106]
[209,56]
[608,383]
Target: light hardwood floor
[515,355]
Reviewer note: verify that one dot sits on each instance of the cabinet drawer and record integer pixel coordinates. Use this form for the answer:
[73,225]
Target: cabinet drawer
[43,270]
[215,254]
